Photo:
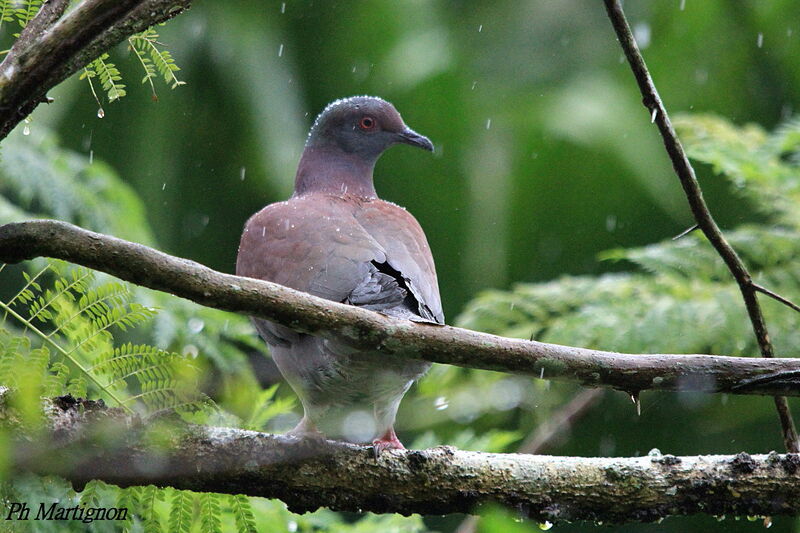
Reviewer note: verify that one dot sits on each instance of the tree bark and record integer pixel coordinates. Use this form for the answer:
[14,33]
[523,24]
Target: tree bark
[88,441]
[368,330]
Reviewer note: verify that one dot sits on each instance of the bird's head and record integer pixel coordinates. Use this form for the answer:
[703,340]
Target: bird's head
[363,125]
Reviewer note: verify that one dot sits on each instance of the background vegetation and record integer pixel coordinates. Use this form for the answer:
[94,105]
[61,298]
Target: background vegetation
[545,161]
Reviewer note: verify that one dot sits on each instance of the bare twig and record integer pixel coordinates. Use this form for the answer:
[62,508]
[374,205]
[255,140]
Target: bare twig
[54,48]
[685,172]
[367,330]
[95,443]
[775,296]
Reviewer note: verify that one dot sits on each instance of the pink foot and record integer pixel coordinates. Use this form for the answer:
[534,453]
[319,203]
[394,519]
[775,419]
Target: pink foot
[388,441]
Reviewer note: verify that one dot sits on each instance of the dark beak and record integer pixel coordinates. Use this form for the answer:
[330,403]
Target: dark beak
[409,136]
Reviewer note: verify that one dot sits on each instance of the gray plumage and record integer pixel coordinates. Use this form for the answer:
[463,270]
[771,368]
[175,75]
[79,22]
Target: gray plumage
[336,239]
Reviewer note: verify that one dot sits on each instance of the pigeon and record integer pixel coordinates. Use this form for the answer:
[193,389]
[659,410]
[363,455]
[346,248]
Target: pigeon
[334,238]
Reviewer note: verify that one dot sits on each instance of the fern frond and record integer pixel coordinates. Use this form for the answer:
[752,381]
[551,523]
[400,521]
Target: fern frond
[27,10]
[147,66]
[145,43]
[110,77]
[210,512]
[182,511]
[148,498]
[242,513]
[6,11]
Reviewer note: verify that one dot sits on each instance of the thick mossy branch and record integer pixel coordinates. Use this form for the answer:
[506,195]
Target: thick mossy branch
[87,441]
[367,330]
[57,47]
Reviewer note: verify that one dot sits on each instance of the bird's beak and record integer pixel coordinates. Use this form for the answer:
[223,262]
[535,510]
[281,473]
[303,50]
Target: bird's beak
[409,136]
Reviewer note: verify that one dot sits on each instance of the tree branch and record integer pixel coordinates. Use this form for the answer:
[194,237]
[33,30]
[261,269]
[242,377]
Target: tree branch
[53,49]
[87,441]
[685,172]
[368,330]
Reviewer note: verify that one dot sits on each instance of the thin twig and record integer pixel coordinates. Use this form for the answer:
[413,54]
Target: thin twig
[367,330]
[685,172]
[775,296]
[685,232]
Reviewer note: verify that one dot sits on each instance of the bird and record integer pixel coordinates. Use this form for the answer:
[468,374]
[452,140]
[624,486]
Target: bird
[336,239]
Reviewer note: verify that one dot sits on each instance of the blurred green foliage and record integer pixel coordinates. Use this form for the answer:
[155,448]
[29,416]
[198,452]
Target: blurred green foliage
[545,161]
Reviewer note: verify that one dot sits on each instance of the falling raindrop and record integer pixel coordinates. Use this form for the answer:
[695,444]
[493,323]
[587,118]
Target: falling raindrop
[641,32]
[637,402]
[91,156]
[283,7]
[280,50]
[611,223]
[683,5]
[653,115]
[488,123]
[101,113]
[760,40]
[26,130]
[241,173]
[480,28]
[441,403]
[190,350]
[541,373]
[196,325]
[474,83]
[163,186]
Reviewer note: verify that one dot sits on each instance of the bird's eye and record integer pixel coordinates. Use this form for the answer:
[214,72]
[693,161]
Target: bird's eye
[366,123]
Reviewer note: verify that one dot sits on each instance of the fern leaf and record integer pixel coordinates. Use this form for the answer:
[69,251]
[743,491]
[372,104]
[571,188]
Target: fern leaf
[28,10]
[243,513]
[209,513]
[181,512]
[110,78]
[148,498]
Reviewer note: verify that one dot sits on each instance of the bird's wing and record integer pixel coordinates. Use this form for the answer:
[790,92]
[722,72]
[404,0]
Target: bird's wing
[408,256]
[314,244]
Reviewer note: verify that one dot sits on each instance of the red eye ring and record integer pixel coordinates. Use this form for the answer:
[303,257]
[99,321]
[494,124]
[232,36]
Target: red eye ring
[366,123]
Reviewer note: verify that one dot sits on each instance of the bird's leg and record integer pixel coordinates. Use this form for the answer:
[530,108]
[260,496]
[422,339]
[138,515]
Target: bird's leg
[387,441]
[306,429]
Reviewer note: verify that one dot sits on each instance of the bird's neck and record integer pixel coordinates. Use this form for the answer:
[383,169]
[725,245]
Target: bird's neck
[330,170]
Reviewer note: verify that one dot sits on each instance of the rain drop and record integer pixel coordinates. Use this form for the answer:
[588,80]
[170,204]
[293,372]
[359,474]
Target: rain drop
[683,5]
[196,325]
[474,83]
[641,32]
[26,130]
[611,223]
[760,40]
[241,173]
[190,350]
[101,113]
[280,50]
[637,403]
[283,7]
[291,526]
[653,115]
[441,403]
[488,123]
[91,156]
[480,28]
[163,186]
[541,373]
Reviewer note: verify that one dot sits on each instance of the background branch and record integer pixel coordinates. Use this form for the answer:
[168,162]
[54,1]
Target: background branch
[685,172]
[88,441]
[368,330]
[53,49]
